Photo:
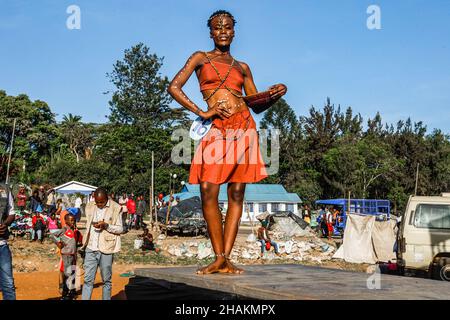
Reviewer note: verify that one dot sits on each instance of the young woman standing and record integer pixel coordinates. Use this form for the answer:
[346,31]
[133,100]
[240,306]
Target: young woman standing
[229,153]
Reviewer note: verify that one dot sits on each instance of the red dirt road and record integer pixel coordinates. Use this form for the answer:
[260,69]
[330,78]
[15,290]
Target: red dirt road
[44,286]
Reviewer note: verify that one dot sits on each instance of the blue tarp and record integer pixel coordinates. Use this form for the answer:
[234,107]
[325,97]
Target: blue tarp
[76,212]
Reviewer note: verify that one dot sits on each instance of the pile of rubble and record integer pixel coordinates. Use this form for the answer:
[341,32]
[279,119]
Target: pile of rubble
[297,249]
[309,248]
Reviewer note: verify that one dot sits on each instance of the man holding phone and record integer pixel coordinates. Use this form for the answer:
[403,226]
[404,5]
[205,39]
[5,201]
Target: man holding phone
[101,241]
[7,216]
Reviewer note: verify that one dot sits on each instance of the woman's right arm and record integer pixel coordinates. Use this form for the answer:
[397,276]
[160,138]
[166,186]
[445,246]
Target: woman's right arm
[180,79]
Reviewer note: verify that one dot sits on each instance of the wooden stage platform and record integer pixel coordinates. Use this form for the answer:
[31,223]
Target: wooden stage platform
[294,282]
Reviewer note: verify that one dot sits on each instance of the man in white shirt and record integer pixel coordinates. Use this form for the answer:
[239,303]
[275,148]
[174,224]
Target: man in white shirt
[123,200]
[173,202]
[329,218]
[7,216]
[91,197]
[78,202]
[101,241]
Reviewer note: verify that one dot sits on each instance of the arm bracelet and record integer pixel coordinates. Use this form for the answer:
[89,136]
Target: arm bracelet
[197,111]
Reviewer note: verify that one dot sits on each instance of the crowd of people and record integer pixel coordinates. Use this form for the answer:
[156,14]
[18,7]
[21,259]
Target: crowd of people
[108,216]
[172,201]
[133,210]
[328,221]
[39,214]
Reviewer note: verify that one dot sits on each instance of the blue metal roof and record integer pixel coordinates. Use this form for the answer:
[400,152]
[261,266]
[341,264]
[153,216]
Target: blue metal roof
[253,193]
[361,206]
[334,202]
[341,202]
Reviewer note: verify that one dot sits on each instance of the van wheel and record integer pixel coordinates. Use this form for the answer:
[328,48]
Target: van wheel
[444,273]
[440,269]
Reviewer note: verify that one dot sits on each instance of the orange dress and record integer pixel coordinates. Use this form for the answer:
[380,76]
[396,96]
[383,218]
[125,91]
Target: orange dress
[229,152]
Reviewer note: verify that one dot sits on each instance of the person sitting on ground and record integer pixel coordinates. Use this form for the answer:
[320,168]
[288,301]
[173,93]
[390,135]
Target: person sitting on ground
[39,227]
[264,239]
[53,225]
[148,244]
[68,239]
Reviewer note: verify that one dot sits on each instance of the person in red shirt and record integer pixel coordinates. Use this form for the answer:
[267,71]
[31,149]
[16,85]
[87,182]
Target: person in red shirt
[68,239]
[21,199]
[39,226]
[131,206]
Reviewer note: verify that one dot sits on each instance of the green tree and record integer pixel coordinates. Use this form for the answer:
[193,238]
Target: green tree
[282,117]
[141,96]
[356,167]
[35,133]
[78,136]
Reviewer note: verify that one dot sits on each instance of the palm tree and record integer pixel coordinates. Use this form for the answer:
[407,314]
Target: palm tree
[73,133]
[70,119]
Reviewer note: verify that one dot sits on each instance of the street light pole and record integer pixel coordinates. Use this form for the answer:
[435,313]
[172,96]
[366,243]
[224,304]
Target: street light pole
[151,195]
[173,184]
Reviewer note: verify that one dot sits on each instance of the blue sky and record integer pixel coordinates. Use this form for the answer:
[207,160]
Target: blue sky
[318,48]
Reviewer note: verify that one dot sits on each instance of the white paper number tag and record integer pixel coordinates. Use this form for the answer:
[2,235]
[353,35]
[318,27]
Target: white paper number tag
[200,128]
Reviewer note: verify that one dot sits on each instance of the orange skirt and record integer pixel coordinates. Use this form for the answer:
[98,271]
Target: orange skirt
[229,152]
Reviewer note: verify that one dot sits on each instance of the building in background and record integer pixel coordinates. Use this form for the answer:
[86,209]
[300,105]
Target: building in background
[259,198]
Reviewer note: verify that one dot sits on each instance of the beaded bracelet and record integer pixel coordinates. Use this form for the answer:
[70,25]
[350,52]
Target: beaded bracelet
[197,111]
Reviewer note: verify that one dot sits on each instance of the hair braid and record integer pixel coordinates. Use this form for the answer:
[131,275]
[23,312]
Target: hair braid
[219,13]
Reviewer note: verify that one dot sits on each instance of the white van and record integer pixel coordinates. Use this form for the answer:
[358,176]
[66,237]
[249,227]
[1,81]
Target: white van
[424,236]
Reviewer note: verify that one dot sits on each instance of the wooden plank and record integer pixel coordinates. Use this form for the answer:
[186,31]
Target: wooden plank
[297,282]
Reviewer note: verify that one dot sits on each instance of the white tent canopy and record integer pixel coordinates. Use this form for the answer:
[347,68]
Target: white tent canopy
[75,187]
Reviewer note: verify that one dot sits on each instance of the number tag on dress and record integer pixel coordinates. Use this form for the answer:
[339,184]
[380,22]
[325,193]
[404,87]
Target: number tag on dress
[200,128]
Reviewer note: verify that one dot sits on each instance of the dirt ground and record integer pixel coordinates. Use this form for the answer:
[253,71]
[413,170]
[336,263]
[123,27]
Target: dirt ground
[36,272]
[44,286]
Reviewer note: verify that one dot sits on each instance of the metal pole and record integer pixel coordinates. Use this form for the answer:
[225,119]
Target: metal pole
[417,180]
[250,217]
[150,208]
[348,209]
[151,194]
[10,151]
[156,219]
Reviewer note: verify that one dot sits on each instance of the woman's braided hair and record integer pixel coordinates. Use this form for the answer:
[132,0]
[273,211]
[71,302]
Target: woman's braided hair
[220,13]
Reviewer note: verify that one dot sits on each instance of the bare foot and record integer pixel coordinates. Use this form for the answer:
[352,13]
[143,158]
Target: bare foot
[231,268]
[216,266]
